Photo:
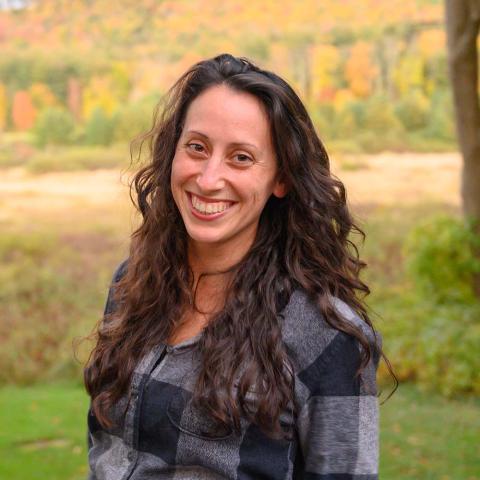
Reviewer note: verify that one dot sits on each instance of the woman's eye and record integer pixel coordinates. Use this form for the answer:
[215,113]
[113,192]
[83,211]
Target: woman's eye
[242,158]
[196,147]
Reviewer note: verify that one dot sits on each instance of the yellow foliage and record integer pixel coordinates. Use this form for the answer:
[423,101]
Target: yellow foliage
[99,94]
[3,106]
[120,78]
[342,97]
[409,73]
[42,96]
[325,60]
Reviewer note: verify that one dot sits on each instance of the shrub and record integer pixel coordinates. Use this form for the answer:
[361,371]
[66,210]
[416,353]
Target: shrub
[440,259]
[440,123]
[379,116]
[52,292]
[413,110]
[33,326]
[132,120]
[372,142]
[435,345]
[322,115]
[54,126]
[100,128]
[432,334]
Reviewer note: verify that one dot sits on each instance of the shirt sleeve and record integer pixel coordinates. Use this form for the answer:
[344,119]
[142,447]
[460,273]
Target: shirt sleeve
[90,475]
[338,424]
[109,308]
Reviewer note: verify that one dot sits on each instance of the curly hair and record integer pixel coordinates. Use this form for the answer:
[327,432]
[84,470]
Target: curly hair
[303,242]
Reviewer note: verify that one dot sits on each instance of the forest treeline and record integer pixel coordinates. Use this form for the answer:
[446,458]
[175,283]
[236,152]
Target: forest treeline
[373,73]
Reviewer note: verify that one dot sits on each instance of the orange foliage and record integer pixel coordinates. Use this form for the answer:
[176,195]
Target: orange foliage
[360,71]
[23,111]
[431,42]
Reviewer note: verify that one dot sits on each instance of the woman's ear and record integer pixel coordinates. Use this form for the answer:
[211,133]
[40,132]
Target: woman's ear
[280,189]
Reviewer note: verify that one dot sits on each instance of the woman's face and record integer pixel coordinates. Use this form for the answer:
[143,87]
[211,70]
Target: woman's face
[224,169]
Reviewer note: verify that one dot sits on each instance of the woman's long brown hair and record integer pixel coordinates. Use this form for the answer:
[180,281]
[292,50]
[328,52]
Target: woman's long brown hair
[303,242]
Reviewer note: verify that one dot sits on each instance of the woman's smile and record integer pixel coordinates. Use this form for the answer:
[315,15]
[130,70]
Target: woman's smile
[207,208]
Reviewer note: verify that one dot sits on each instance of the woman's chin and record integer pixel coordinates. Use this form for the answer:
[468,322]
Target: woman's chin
[204,238]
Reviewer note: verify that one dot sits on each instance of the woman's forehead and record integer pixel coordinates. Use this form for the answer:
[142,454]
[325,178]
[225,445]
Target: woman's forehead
[221,111]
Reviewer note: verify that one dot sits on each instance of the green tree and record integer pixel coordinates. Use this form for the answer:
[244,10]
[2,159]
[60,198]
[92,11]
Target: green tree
[100,128]
[54,126]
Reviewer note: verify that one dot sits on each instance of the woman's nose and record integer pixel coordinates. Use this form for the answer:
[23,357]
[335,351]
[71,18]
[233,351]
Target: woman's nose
[211,175]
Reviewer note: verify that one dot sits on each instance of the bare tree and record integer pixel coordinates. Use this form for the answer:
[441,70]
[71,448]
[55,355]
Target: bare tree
[463,24]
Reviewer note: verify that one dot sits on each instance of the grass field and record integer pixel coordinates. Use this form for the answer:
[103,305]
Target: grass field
[422,436]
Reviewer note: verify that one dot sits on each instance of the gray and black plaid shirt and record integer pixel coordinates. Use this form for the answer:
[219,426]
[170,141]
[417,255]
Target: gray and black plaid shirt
[163,437]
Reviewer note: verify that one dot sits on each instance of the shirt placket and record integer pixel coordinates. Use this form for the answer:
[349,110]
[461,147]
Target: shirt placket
[132,415]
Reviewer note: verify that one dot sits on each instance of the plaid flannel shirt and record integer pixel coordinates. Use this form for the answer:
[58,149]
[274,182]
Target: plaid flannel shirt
[162,436]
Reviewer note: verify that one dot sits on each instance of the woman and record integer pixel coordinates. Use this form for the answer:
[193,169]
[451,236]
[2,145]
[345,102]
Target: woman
[234,344]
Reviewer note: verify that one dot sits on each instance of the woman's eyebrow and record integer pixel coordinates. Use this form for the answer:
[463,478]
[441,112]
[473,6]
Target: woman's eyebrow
[233,144]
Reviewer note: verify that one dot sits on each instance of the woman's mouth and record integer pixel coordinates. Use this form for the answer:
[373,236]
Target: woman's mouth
[204,207]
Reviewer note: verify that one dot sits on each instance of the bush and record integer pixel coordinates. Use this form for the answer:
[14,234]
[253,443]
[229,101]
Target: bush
[54,126]
[53,289]
[373,142]
[432,334]
[413,110]
[33,326]
[132,120]
[435,345]
[100,128]
[322,116]
[440,259]
[379,116]
[440,123]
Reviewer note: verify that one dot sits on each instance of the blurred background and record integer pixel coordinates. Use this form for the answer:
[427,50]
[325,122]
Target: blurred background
[80,79]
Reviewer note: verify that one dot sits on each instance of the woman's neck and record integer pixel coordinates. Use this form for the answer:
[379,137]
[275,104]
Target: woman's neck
[210,265]
[205,258]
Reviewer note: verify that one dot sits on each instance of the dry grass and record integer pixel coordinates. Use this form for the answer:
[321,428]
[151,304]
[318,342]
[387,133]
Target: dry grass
[393,179]
[380,180]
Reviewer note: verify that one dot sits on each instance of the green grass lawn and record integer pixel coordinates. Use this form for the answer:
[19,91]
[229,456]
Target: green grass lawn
[423,436]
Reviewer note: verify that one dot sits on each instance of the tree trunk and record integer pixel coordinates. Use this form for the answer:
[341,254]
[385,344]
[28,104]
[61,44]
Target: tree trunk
[463,22]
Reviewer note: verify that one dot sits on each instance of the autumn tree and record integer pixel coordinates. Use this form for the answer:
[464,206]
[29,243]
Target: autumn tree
[463,23]
[23,110]
[3,107]
[360,70]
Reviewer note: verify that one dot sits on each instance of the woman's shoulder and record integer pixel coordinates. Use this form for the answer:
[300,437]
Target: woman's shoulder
[309,337]
[120,271]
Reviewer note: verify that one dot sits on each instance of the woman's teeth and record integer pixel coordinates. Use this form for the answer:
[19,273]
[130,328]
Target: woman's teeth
[207,208]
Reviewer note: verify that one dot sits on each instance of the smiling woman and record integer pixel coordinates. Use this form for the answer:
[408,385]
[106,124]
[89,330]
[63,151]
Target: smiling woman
[235,343]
